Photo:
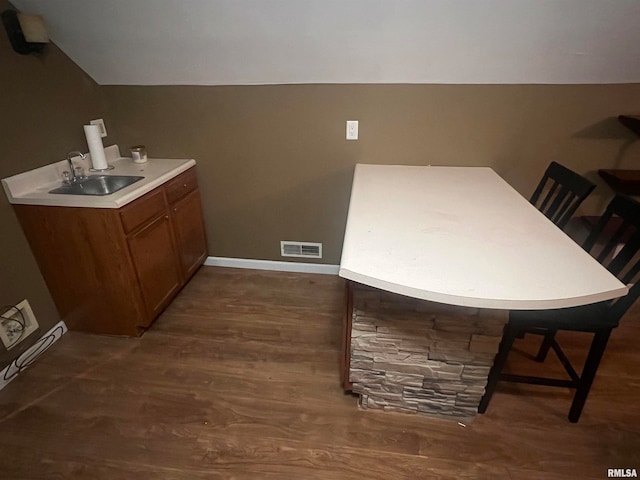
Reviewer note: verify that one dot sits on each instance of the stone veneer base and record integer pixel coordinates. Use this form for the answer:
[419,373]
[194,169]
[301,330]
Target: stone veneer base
[414,356]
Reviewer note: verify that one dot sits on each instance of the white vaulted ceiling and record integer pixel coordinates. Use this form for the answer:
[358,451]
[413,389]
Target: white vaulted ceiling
[230,42]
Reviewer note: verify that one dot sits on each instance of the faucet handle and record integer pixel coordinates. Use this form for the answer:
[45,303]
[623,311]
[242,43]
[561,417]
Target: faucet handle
[75,153]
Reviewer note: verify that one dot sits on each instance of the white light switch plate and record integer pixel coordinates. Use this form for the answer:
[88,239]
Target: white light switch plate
[352,129]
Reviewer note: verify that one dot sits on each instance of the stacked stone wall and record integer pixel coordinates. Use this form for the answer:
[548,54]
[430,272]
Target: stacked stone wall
[415,356]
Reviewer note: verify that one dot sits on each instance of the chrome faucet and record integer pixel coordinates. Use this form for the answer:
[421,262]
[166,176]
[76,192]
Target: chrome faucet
[72,170]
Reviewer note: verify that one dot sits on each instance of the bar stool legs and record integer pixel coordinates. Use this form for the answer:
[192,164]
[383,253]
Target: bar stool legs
[549,337]
[589,370]
[582,383]
[508,337]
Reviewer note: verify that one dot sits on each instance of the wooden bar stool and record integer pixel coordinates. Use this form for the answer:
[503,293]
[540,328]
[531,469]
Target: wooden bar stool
[598,318]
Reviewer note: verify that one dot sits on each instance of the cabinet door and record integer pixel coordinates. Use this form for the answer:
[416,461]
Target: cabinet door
[152,250]
[190,235]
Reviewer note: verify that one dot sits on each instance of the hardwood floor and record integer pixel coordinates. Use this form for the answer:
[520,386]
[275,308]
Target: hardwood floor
[239,379]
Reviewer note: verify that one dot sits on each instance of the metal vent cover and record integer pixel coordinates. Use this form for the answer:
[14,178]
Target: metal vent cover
[300,249]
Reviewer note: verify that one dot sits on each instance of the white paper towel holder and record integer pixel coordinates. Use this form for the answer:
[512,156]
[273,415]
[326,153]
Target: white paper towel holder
[96,149]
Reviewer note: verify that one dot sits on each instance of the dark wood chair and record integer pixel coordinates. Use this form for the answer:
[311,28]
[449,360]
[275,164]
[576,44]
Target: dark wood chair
[560,193]
[622,260]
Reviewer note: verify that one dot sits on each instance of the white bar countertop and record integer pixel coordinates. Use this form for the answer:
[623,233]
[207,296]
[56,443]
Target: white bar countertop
[463,236]
[32,187]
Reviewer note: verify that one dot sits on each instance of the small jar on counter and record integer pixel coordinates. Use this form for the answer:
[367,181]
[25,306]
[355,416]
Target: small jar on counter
[139,154]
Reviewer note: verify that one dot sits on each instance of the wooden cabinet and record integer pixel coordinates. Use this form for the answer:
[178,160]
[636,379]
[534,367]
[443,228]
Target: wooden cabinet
[157,270]
[190,238]
[113,271]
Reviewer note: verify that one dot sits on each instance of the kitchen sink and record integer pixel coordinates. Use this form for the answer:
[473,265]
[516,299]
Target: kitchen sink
[97,185]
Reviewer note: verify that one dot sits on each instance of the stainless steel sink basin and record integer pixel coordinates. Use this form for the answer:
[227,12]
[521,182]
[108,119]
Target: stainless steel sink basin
[97,185]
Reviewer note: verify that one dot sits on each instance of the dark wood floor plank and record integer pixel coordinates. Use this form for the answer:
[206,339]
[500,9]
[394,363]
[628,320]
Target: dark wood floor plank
[239,379]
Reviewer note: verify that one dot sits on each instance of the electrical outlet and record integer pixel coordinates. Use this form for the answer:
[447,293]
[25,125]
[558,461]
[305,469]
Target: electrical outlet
[16,324]
[352,129]
[100,123]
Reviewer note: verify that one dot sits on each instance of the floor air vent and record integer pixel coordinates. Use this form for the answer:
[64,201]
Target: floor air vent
[300,249]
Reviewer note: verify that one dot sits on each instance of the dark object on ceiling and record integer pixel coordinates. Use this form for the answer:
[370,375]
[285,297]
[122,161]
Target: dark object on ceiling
[26,32]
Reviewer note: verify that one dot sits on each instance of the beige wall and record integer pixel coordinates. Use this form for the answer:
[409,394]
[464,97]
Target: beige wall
[44,101]
[274,164]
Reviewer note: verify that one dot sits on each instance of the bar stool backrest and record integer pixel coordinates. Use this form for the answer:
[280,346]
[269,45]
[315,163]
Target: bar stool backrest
[615,243]
[560,193]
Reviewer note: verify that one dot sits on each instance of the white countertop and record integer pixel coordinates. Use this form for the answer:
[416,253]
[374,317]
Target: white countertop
[32,187]
[463,236]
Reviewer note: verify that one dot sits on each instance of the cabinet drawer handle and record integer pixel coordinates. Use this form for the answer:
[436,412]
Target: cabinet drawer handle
[184,186]
[167,217]
[175,209]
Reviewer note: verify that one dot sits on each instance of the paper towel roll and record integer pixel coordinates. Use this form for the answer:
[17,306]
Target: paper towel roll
[96,149]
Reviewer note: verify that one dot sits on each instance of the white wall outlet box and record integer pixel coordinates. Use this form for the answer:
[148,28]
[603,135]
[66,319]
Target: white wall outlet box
[16,324]
[100,123]
[32,353]
[352,129]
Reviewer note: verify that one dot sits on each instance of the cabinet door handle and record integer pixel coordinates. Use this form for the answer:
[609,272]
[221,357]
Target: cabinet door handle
[184,186]
[167,217]
[175,209]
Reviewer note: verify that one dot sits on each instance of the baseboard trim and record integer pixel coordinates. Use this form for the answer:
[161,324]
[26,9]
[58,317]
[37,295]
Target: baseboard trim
[321,268]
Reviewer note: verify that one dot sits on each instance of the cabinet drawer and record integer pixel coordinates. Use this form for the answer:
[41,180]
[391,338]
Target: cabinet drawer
[181,185]
[142,209]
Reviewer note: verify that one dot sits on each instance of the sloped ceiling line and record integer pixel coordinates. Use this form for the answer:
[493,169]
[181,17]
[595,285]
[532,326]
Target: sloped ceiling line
[233,42]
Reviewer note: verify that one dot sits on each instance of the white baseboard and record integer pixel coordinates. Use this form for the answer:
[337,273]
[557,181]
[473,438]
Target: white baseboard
[321,268]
